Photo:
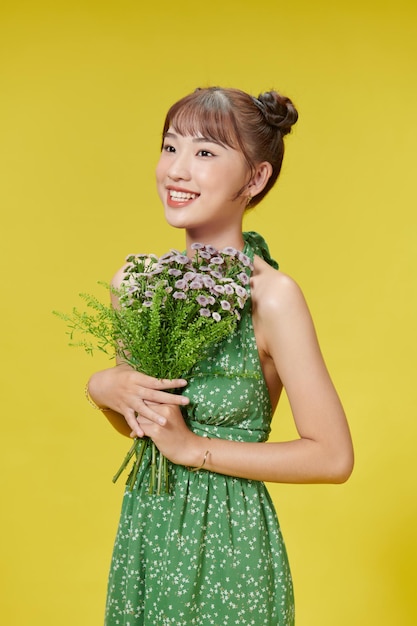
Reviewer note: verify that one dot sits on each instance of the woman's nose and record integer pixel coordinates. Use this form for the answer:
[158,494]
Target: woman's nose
[179,168]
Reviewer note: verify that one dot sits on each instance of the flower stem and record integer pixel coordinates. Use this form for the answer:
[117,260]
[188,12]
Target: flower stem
[160,468]
[153,469]
[143,443]
[126,459]
[166,474]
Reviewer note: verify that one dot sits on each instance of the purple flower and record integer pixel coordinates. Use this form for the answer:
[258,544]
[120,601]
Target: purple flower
[216,316]
[218,289]
[181,259]
[211,300]
[196,284]
[174,272]
[189,275]
[166,260]
[240,291]
[147,303]
[181,284]
[169,257]
[204,312]
[230,251]
[228,289]
[225,305]
[148,294]
[202,300]
[179,295]
[245,260]
[216,274]
[196,246]
[217,260]
[244,278]
[211,250]
[204,254]
[208,282]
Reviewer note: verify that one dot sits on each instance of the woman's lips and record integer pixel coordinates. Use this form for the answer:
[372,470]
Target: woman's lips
[177,197]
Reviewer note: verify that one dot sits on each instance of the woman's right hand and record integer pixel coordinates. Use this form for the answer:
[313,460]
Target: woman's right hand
[127,393]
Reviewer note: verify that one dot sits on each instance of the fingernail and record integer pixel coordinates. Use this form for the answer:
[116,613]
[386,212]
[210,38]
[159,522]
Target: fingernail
[162,421]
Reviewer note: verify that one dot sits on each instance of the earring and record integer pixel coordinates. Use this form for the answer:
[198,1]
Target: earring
[248,201]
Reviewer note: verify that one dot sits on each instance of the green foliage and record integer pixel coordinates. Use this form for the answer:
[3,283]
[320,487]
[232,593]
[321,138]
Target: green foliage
[171,310]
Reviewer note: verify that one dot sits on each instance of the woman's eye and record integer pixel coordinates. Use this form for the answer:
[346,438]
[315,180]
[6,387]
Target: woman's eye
[169,148]
[205,153]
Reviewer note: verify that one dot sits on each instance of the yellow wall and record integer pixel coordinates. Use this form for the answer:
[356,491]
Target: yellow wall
[84,86]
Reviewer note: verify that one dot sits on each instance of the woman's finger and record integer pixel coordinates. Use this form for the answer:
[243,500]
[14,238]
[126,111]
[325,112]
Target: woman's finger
[131,419]
[149,410]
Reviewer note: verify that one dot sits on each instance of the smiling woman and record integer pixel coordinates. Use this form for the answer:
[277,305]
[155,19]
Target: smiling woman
[211,551]
[204,179]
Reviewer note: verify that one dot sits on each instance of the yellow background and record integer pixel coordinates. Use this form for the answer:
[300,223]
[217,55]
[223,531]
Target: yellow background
[84,87]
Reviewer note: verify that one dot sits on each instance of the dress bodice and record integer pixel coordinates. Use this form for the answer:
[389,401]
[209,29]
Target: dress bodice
[228,394]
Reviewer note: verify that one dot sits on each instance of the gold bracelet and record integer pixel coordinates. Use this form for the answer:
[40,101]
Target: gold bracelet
[91,401]
[195,469]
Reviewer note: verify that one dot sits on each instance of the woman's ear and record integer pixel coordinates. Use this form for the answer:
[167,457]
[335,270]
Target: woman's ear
[260,178]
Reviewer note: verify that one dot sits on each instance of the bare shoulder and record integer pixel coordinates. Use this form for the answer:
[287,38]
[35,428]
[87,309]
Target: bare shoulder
[274,293]
[283,325]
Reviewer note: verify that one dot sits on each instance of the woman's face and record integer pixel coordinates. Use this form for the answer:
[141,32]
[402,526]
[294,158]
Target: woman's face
[198,180]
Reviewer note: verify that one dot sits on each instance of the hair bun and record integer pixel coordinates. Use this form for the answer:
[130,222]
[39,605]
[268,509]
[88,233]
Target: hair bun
[278,110]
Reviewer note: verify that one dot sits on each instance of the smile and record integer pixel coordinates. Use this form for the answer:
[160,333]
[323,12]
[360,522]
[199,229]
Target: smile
[181,196]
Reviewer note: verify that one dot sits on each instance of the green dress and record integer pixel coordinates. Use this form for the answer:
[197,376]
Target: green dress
[211,551]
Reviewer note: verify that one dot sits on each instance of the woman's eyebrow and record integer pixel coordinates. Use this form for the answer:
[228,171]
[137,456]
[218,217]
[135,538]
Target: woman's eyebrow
[206,140]
[171,135]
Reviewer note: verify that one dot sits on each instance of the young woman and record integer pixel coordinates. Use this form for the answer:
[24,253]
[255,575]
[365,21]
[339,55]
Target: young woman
[211,552]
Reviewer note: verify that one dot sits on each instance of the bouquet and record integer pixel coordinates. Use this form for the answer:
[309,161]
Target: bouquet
[171,310]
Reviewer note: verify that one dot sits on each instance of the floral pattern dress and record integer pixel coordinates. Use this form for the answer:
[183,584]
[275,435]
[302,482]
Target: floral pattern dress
[211,551]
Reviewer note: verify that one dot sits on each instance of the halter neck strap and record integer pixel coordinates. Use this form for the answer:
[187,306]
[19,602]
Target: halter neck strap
[259,246]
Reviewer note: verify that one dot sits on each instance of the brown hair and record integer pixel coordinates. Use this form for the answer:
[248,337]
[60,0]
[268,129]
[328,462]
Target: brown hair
[233,118]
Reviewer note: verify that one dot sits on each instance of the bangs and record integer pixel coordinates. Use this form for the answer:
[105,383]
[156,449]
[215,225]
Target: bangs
[208,113]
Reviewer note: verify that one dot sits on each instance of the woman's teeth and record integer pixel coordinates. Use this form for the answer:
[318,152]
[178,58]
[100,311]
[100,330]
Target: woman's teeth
[181,195]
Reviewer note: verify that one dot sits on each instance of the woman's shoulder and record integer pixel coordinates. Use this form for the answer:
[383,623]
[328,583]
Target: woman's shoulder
[273,292]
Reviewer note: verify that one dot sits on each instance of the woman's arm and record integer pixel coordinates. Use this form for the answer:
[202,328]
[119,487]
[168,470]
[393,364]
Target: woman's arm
[286,338]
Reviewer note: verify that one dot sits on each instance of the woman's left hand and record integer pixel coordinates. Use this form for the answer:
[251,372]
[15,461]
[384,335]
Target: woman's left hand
[173,439]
